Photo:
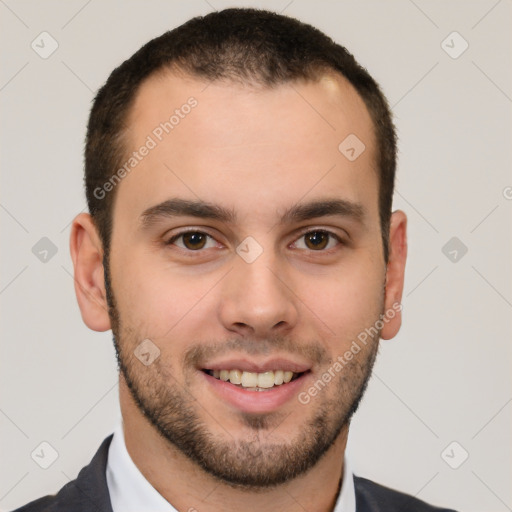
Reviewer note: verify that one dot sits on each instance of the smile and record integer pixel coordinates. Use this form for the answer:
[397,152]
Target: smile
[253,381]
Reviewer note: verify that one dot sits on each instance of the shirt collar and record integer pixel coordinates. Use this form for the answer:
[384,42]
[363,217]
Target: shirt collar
[131,492]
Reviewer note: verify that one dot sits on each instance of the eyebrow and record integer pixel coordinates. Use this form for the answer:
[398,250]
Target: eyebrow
[183,207]
[176,207]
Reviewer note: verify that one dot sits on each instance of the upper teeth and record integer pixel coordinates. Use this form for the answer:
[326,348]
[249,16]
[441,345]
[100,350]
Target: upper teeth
[254,380]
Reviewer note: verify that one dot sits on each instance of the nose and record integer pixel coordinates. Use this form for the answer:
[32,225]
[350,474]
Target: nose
[257,300]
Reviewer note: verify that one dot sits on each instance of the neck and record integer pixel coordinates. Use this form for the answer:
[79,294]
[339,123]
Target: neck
[188,487]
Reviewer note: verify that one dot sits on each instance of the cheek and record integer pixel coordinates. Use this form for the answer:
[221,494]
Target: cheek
[347,301]
[153,300]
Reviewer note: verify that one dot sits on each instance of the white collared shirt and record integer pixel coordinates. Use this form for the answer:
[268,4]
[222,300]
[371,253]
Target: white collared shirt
[131,492]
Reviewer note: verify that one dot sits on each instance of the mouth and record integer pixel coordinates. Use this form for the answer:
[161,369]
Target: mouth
[256,388]
[255,381]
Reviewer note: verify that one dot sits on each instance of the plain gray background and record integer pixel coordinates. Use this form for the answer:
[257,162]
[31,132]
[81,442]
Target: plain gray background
[445,378]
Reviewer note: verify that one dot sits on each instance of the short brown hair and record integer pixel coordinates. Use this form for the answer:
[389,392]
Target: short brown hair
[247,45]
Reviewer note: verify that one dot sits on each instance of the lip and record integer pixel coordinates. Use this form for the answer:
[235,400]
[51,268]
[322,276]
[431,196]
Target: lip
[255,402]
[251,366]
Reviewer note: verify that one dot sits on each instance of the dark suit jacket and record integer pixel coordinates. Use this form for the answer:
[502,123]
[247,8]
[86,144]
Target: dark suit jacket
[89,493]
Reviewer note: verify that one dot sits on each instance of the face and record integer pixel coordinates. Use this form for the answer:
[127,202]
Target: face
[247,249]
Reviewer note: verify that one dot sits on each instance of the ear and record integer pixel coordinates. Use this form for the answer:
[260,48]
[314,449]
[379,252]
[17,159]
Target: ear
[87,255]
[395,274]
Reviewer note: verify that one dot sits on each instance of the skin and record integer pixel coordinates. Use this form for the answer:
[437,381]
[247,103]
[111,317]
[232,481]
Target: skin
[258,152]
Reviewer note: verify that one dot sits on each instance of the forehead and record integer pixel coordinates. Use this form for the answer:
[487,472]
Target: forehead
[247,145]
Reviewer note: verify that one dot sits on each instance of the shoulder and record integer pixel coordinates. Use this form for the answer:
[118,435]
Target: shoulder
[373,497]
[53,503]
[88,492]
[68,498]
[37,505]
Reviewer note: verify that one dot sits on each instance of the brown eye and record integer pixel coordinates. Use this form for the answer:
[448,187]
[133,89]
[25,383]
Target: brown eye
[316,240]
[194,240]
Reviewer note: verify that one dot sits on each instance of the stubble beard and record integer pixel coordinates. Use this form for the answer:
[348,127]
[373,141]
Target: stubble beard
[262,459]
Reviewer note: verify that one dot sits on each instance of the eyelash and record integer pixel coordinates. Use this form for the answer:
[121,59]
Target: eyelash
[302,235]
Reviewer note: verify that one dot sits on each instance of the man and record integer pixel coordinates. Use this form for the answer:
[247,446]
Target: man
[240,244]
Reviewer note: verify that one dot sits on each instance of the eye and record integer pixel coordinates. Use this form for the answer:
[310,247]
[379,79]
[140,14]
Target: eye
[317,240]
[192,241]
